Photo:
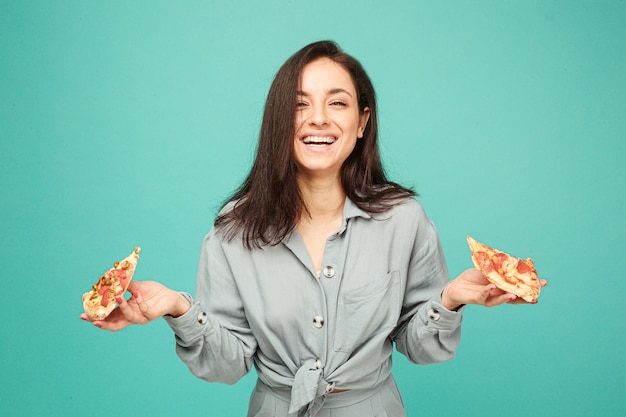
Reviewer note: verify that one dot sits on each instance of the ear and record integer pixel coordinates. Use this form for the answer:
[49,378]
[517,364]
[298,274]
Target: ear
[363,119]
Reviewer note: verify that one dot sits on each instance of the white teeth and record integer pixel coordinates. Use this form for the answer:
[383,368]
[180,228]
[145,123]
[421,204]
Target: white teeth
[319,140]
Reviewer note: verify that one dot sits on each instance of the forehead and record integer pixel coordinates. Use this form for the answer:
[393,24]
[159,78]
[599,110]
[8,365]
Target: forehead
[324,74]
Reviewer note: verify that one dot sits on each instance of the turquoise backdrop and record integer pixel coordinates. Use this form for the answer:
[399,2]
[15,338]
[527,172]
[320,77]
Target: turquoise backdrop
[127,123]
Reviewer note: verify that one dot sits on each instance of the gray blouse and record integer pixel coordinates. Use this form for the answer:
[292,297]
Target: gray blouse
[380,284]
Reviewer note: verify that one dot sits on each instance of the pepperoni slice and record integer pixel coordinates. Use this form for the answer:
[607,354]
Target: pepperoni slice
[498,259]
[484,261]
[523,268]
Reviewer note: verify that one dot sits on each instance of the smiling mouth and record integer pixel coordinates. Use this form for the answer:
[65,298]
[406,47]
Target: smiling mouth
[319,140]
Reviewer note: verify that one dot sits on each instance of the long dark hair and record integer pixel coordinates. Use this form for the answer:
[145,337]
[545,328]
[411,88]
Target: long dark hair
[268,205]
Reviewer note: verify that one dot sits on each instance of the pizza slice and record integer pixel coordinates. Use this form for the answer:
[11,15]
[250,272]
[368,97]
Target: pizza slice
[100,301]
[511,274]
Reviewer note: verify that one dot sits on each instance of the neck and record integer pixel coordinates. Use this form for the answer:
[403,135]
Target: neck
[324,198]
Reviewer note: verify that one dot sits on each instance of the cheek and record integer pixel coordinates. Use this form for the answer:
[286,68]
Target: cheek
[298,122]
[354,124]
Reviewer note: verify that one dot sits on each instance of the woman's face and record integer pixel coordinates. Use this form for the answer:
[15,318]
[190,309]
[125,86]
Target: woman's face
[328,121]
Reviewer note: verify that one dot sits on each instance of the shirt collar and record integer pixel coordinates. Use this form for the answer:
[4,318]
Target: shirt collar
[351,210]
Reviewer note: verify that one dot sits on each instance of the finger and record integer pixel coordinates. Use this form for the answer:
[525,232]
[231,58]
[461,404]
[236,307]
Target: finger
[128,312]
[114,321]
[503,299]
[520,300]
[141,303]
[113,325]
[494,290]
[480,295]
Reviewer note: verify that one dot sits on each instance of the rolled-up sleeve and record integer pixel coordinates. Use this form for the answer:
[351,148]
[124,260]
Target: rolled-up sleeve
[213,338]
[427,332]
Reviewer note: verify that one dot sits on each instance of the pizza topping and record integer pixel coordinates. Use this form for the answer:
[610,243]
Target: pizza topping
[105,300]
[483,259]
[523,268]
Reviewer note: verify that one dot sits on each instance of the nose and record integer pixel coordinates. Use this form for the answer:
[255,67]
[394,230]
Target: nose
[318,116]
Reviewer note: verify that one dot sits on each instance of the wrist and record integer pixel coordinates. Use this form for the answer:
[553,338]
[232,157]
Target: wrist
[180,306]
[449,302]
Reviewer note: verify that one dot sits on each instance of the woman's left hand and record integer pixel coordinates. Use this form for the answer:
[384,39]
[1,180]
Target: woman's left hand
[471,287]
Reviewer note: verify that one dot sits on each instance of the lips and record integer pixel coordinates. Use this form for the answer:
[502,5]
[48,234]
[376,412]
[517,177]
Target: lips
[319,140]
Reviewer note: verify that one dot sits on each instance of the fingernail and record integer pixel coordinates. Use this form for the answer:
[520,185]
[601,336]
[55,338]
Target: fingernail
[98,325]
[135,294]
[119,299]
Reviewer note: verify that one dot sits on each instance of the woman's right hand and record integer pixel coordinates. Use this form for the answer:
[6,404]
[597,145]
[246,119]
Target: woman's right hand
[150,300]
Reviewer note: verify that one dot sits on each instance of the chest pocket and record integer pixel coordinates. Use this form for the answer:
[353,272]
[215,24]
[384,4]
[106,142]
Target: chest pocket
[367,311]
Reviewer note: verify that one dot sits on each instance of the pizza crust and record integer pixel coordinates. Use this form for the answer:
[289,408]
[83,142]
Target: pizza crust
[515,275]
[100,301]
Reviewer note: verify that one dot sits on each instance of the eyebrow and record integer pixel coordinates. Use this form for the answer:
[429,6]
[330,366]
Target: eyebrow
[330,92]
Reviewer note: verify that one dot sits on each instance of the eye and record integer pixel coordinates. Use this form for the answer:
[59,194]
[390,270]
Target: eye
[338,103]
[300,104]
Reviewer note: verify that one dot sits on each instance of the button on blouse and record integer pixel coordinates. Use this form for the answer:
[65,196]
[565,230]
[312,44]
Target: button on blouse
[329,271]
[318,322]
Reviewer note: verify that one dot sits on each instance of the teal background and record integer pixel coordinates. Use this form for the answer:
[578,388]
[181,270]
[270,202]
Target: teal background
[127,123]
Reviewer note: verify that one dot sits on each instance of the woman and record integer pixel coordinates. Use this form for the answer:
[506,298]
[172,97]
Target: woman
[318,264]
